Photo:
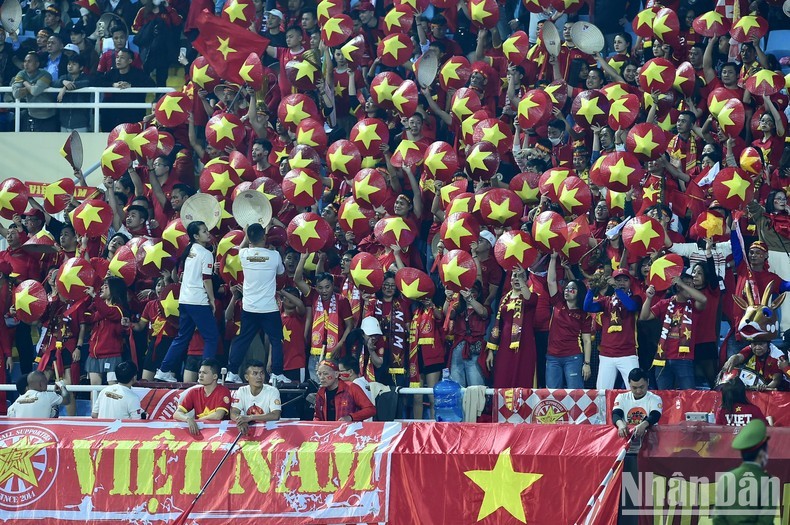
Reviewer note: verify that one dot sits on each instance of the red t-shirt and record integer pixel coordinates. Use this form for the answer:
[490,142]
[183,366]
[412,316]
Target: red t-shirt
[767,366]
[159,323]
[566,328]
[742,413]
[294,348]
[203,405]
[21,262]
[618,328]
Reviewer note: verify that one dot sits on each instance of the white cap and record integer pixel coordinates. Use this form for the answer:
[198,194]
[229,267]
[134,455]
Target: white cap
[71,47]
[370,326]
[487,235]
[277,13]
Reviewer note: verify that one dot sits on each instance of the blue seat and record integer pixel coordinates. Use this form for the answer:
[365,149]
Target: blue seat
[778,39]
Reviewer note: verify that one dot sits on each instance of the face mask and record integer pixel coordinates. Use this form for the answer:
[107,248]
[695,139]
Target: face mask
[555,141]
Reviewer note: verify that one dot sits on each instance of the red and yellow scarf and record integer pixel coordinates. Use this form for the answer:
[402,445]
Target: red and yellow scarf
[326,327]
[512,301]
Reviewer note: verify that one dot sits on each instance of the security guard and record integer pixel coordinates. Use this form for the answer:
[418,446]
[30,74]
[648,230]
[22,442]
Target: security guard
[748,494]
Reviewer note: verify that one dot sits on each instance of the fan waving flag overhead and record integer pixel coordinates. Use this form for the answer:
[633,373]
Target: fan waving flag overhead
[225,47]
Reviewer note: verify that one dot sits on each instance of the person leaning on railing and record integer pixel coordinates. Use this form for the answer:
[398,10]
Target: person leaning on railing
[29,85]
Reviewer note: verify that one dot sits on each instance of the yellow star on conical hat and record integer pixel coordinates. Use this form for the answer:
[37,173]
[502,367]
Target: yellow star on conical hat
[295,113]
[396,225]
[456,230]
[69,276]
[453,271]
[644,233]
[363,189]
[352,213]
[306,231]
[361,276]
[23,299]
[367,133]
[155,254]
[500,211]
[338,161]
[223,128]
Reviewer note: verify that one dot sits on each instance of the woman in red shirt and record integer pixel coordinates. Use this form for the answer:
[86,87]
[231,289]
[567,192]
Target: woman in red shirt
[772,144]
[109,316]
[570,340]
[735,409]
[706,348]
[470,319]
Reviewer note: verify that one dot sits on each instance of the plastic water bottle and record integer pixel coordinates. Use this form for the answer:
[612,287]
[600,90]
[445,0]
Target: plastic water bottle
[447,399]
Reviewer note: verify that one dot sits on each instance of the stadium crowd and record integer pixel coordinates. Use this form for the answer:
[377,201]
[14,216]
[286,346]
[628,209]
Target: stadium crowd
[649,209]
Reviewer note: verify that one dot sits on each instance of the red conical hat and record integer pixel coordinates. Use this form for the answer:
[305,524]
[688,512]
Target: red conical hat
[664,270]
[404,99]
[343,158]
[370,188]
[251,71]
[642,23]
[305,158]
[590,108]
[58,195]
[647,141]
[203,74]
[336,30]
[368,135]
[74,276]
[624,111]
[515,248]
[765,82]
[153,256]
[354,50]
[457,270]
[732,117]
[311,132]
[618,171]
[91,218]
[42,242]
[295,108]
[414,284]
[551,181]
[354,218]
[302,74]
[666,26]
[515,48]
[224,130]
[175,235]
[710,225]
[685,79]
[534,109]
[366,272]
[642,235]
[116,159]
[748,28]
[124,132]
[383,87]
[408,153]
[459,231]
[239,12]
[272,190]
[751,161]
[526,186]
[399,20]
[308,232]
[658,74]
[391,231]
[711,24]
[172,109]
[501,206]
[484,13]
[302,187]
[482,161]
[733,188]
[241,165]
[218,179]
[30,301]
[465,101]
[395,50]
[575,196]
[232,239]
[496,132]
[441,161]
[549,230]
[454,73]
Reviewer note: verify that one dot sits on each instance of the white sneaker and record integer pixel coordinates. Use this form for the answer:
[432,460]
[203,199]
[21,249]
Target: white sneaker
[278,379]
[233,378]
[169,377]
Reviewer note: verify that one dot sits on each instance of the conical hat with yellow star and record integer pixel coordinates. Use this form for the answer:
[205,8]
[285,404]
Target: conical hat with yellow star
[125,132]
[311,132]
[58,195]
[732,117]
[414,284]
[515,248]
[441,160]
[664,270]
[642,235]
[302,187]
[501,206]
[366,272]
[749,27]
[710,225]
[309,233]
[123,265]
[549,230]
[733,188]
[711,24]
[172,109]
[336,30]
[30,301]
[42,242]
[91,218]
[575,196]
[272,190]
[343,159]
[658,74]
[457,270]
[73,277]
[765,82]
[116,159]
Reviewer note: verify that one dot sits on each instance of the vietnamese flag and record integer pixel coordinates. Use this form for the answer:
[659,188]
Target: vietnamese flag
[225,46]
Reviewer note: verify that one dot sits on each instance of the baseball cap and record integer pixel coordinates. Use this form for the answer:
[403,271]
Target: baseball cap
[34,212]
[622,272]
[52,9]
[488,236]
[277,13]
[71,47]
[370,326]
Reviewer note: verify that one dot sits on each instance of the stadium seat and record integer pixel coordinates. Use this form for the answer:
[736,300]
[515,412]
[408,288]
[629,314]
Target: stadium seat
[778,39]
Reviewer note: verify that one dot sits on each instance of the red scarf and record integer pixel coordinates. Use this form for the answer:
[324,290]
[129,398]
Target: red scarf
[676,325]
[350,291]
[511,302]
[395,327]
[424,334]
[326,327]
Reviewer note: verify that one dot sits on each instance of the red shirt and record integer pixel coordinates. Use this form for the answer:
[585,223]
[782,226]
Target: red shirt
[772,149]
[160,325]
[22,263]
[203,405]
[490,274]
[767,366]
[107,334]
[294,344]
[741,414]
[285,55]
[618,328]
[566,328]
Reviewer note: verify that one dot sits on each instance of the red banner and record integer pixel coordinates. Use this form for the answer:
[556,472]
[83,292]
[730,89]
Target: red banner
[678,467]
[298,473]
[36,189]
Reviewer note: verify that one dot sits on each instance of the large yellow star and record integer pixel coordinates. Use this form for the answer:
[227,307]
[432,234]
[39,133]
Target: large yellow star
[716,105]
[352,213]
[305,136]
[412,290]
[649,193]
[349,48]
[450,71]
[660,27]
[460,107]
[509,45]
[287,334]
[525,105]
[235,10]
[645,17]
[360,275]
[295,113]
[618,107]
[23,300]
[395,225]
[232,265]
[500,211]
[299,162]
[764,75]
[502,487]
[170,104]
[89,214]
[200,75]
[244,72]
[737,186]
[52,191]
[393,18]
[515,247]
[172,233]
[170,304]
[17,460]
[620,172]
[221,182]
[543,232]
[5,199]
[493,135]
[713,225]
[435,162]
[712,17]
[306,231]
[363,189]
[223,128]
[155,254]
[653,72]
[384,90]
[137,142]
[323,7]
[589,109]
[367,133]
[305,69]
[115,266]
[644,232]
[404,147]
[659,267]
[456,230]
[332,25]
[224,47]
[476,159]
[614,92]
[453,272]
[568,198]
[303,183]
[746,23]
[644,144]
[468,125]
[478,11]
[725,118]
[392,45]
[109,157]
[556,179]
[527,193]
[399,99]
[69,276]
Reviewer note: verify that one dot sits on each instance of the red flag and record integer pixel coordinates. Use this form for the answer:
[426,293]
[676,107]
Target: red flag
[225,46]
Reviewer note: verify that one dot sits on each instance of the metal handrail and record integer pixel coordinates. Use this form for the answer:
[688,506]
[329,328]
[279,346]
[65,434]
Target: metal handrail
[97,105]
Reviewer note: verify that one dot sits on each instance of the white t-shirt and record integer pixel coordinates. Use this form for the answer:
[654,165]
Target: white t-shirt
[261,267]
[637,410]
[117,402]
[200,262]
[267,400]
[36,405]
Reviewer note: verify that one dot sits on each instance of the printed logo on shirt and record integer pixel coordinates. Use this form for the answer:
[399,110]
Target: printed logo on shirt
[277,402]
[636,415]
[257,258]
[28,465]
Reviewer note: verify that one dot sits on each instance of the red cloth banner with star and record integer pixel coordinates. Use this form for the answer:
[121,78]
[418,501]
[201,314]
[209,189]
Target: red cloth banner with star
[297,472]
[226,47]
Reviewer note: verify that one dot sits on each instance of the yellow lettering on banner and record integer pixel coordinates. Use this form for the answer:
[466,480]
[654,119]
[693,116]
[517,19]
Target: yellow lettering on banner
[308,469]
[193,463]
[340,461]
[36,189]
[121,466]
[86,464]
[258,465]
[289,463]
[363,474]
[145,467]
